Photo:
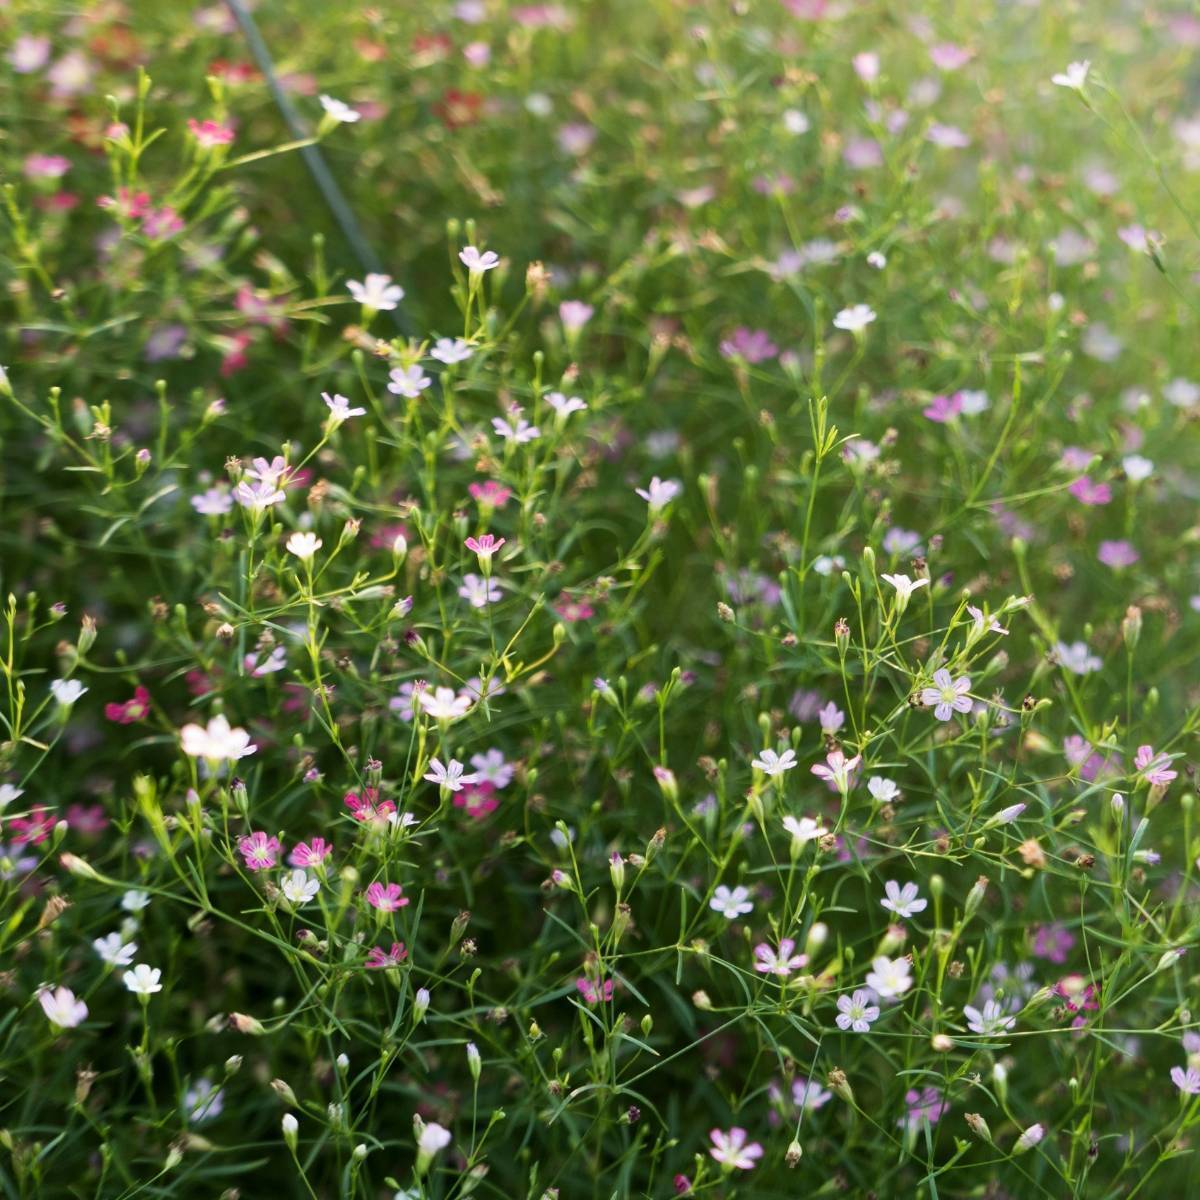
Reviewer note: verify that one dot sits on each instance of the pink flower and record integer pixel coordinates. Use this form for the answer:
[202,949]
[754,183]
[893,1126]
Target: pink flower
[1187,1081]
[750,345]
[947,696]
[210,133]
[387,897]
[485,545]
[46,166]
[1053,942]
[368,806]
[490,494]
[594,993]
[380,959]
[573,610]
[129,711]
[1087,492]
[479,799]
[732,1150]
[838,771]
[1154,768]
[33,829]
[310,854]
[259,851]
[574,314]
[925,1105]
[781,962]
[1117,554]
[943,408]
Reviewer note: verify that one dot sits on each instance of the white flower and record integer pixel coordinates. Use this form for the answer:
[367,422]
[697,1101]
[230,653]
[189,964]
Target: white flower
[298,888]
[855,1013]
[219,742]
[443,705]
[258,496]
[451,350]
[1182,393]
[660,493]
[114,950]
[304,545]
[991,1020]
[8,794]
[479,592]
[492,767]
[564,405]
[434,1138]
[885,791]
[795,122]
[143,980]
[877,259]
[376,292]
[889,977]
[772,764]
[1136,468]
[339,408]
[904,902]
[1077,658]
[450,776]
[134,900]
[729,903]
[804,830]
[61,1007]
[67,691]
[854,319]
[518,431]
[1074,77]
[477,263]
[905,587]
[409,382]
[342,113]
[972,403]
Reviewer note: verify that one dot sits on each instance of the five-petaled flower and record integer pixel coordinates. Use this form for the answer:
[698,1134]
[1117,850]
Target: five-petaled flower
[387,897]
[781,962]
[733,1150]
[772,764]
[731,903]
[947,696]
[903,901]
[856,1012]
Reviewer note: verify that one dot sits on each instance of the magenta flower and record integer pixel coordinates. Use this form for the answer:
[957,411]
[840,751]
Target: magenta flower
[310,854]
[1087,492]
[781,962]
[485,545]
[1053,942]
[387,897]
[1154,768]
[490,494]
[733,1151]
[380,959]
[594,993]
[947,696]
[259,851]
[1117,554]
[943,408]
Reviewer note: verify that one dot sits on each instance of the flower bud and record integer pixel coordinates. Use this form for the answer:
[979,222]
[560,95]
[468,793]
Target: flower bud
[290,1127]
[979,1127]
[285,1093]
[794,1153]
[616,871]
[1000,1082]
[474,1062]
[420,1005]
[1029,1139]
[1131,627]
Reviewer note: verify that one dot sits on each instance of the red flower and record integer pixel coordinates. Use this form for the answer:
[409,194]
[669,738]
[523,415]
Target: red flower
[456,109]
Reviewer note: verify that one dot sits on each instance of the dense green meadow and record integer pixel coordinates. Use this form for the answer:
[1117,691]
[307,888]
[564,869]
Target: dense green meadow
[599,600]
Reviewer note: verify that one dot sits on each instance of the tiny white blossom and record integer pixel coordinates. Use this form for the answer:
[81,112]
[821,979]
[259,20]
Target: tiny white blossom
[477,262]
[450,776]
[376,292]
[903,901]
[442,704]
[660,493]
[885,791]
[114,950]
[451,350]
[340,111]
[304,545]
[408,382]
[889,977]
[339,408]
[804,829]
[67,691]
[1073,77]
[854,319]
[143,980]
[298,888]
[731,903]
[772,764]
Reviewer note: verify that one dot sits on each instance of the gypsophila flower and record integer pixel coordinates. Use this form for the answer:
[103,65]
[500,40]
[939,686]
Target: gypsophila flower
[904,588]
[298,888]
[947,696]
[479,592]
[854,319]
[885,791]
[772,764]
[62,1008]
[218,742]
[660,493]
[443,704]
[781,962]
[564,406]
[259,850]
[143,980]
[492,767]
[477,262]
[1186,1080]
[114,950]
[135,901]
[517,430]
[408,382]
[837,770]
[992,1019]
[808,1095]
[304,545]
[731,903]
[888,977]
[1077,658]
[450,776]
[67,691]
[1154,768]
[856,1012]
[1074,77]
[1028,1139]
[376,292]
[343,114]
[733,1150]
[451,351]
[904,902]
[804,829]
[339,408]
[386,897]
